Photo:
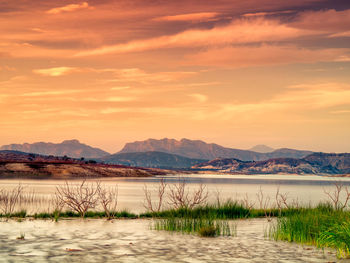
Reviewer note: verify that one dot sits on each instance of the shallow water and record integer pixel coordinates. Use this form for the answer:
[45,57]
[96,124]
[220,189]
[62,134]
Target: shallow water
[132,241]
[304,189]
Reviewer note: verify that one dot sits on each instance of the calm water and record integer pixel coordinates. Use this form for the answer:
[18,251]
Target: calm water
[304,189]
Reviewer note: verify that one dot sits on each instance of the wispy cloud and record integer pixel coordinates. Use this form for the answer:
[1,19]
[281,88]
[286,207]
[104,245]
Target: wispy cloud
[55,72]
[68,8]
[251,56]
[329,20]
[238,32]
[49,93]
[203,16]
[120,99]
[199,97]
[268,13]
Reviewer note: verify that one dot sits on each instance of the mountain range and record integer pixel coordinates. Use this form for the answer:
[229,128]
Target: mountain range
[200,150]
[151,159]
[164,153]
[71,148]
[316,163]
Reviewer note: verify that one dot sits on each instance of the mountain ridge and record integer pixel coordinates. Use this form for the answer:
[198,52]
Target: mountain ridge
[152,159]
[72,148]
[198,149]
[316,163]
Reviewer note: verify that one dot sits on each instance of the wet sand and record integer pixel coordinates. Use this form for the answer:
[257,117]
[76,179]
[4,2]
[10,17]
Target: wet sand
[98,240]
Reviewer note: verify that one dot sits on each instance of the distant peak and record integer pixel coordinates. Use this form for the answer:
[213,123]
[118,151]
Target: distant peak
[261,148]
[74,141]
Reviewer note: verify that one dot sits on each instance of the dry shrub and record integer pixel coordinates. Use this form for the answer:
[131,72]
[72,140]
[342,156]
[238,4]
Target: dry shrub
[151,205]
[79,198]
[9,199]
[180,196]
[108,198]
[335,196]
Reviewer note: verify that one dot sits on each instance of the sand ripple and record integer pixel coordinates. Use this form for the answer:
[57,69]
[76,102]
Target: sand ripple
[132,241]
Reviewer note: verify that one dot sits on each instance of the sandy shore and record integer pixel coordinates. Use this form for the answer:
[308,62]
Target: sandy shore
[132,241]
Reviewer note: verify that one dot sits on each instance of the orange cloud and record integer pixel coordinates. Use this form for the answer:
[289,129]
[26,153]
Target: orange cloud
[55,72]
[68,8]
[267,13]
[199,97]
[324,20]
[203,16]
[238,32]
[236,57]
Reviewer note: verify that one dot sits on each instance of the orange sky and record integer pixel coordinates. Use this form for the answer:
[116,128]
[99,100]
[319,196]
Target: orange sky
[237,73]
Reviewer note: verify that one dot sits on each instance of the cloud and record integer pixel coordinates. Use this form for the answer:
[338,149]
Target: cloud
[49,93]
[340,34]
[139,75]
[238,32]
[120,88]
[120,99]
[55,72]
[324,20]
[68,8]
[199,97]
[203,16]
[250,56]
[301,98]
[267,13]
[340,112]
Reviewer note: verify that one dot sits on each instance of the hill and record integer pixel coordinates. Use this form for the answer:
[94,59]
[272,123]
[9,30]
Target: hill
[27,165]
[317,163]
[197,149]
[152,159]
[71,148]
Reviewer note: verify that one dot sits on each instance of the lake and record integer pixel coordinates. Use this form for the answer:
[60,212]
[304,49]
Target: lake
[301,189]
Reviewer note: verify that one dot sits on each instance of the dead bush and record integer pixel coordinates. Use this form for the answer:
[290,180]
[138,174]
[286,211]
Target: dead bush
[9,199]
[79,198]
[149,203]
[180,196]
[108,198]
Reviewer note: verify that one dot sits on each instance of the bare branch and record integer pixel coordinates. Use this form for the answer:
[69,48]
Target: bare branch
[79,198]
[148,203]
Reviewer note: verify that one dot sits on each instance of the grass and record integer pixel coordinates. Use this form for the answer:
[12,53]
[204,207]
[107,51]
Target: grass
[227,210]
[56,215]
[202,227]
[321,226]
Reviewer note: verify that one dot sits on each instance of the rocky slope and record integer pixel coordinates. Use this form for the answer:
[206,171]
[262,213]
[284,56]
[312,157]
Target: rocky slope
[317,163]
[200,150]
[23,165]
[152,159]
[71,148]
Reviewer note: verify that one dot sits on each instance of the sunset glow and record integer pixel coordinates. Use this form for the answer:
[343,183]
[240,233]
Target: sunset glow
[237,73]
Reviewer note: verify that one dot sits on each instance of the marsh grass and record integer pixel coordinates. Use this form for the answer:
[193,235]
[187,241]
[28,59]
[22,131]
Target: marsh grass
[70,214]
[322,226]
[338,236]
[200,226]
[226,210]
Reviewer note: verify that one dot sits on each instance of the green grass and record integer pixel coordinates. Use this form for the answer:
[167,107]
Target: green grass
[227,210]
[69,214]
[202,227]
[338,236]
[321,226]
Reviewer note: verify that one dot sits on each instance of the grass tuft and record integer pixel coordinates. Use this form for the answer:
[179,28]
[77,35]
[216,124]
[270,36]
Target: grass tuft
[321,226]
[200,226]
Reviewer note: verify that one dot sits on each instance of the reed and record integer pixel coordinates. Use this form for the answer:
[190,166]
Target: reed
[200,226]
[322,226]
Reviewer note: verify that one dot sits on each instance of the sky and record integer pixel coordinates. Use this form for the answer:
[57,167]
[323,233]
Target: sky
[237,73]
